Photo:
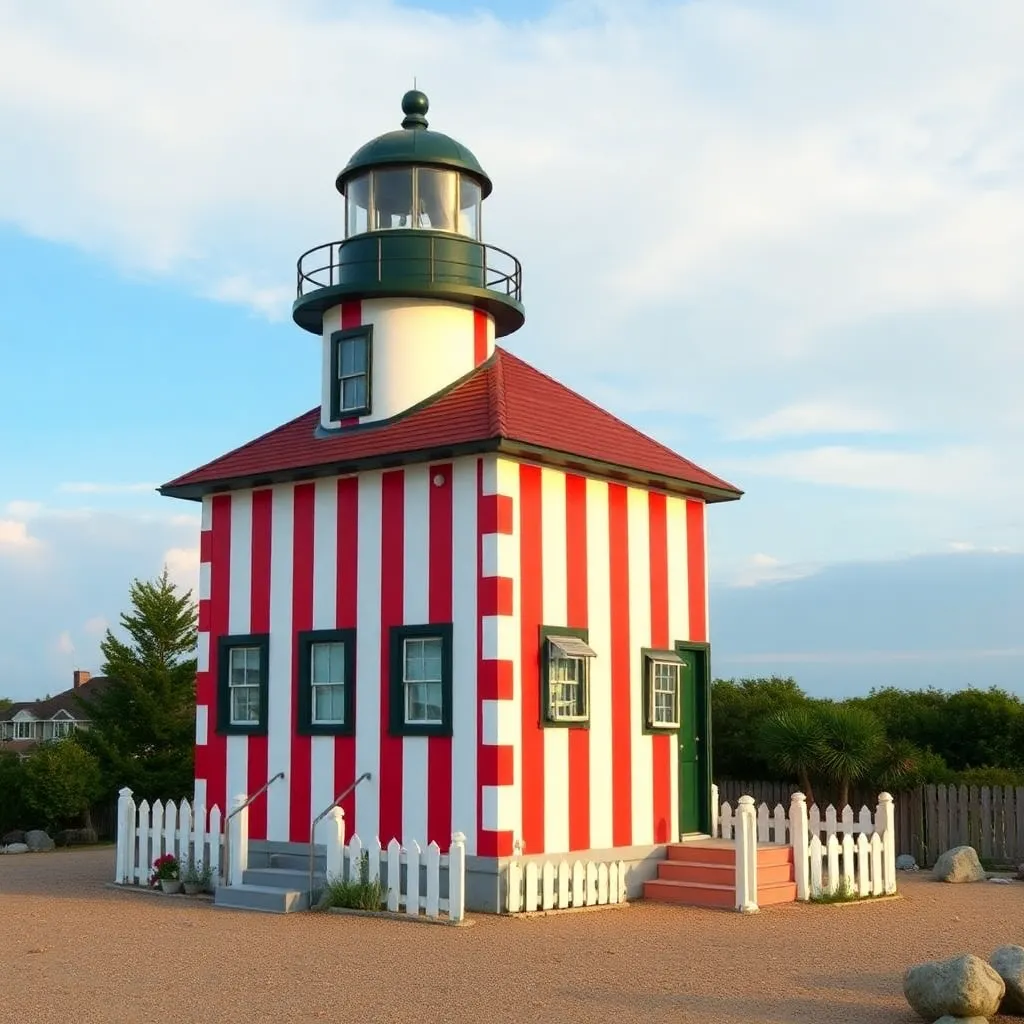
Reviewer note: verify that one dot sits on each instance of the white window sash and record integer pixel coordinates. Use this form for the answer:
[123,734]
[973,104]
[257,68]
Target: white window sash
[652,694]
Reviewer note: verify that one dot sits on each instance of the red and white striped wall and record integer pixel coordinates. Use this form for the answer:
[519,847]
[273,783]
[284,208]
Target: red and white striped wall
[497,548]
[420,346]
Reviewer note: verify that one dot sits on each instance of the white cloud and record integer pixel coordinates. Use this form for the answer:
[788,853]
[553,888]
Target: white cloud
[815,418]
[96,626]
[106,488]
[761,568]
[14,536]
[953,471]
[64,644]
[183,568]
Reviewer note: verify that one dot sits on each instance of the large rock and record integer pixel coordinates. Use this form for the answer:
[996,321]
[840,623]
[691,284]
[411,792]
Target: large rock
[75,837]
[960,864]
[38,841]
[1008,962]
[906,862]
[965,986]
[17,836]
[15,848]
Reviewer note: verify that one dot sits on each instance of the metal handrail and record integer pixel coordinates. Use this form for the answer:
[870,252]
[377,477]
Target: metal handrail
[509,282]
[320,817]
[227,821]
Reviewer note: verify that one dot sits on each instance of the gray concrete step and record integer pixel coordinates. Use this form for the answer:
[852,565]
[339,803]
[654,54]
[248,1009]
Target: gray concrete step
[267,898]
[294,862]
[282,878]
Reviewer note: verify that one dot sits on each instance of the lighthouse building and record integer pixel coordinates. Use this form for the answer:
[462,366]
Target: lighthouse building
[454,573]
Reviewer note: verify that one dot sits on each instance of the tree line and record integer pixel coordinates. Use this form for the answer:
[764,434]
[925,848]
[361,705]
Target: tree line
[769,729]
[142,725]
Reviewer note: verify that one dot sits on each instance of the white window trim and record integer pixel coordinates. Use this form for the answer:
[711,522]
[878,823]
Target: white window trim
[28,724]
[553,653]
[654,660]
[364,339]
[232,685]
[327,686]
[406,683]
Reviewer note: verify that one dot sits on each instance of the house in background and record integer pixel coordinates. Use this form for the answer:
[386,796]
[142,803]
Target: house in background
[454,574]
[26,724]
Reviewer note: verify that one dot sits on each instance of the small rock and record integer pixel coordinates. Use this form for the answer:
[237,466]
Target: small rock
[17,836]
[1000,881]
[38,841]
[1020,872]
[961,1020]
[1008,962]
[965,986]
[960,864]
[15,848]
[906,862]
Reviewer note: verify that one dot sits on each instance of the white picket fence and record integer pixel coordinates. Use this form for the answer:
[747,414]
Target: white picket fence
[145,833]
[416,888]
[558,885]
[855,850]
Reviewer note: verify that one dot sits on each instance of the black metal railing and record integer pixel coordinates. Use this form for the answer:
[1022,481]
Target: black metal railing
[323,266]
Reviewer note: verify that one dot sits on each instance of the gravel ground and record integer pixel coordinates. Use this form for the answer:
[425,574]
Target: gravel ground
[74,950]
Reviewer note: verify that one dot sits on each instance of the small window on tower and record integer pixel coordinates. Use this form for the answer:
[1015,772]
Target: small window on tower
[350,372]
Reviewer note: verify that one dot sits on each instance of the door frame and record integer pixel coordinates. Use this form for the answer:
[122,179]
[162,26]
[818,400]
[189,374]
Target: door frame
[702,682]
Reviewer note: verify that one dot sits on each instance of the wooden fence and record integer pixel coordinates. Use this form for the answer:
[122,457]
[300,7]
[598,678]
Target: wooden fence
[145,833]
[930,819]
[552,885]
[412,875]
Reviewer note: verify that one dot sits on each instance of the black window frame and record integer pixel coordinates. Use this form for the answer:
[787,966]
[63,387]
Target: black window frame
[648,656]
[545,678]
[337,337]
[304,689]
[225,726]
[399,634]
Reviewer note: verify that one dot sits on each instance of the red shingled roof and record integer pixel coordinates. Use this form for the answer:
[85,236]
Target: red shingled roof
[504,405]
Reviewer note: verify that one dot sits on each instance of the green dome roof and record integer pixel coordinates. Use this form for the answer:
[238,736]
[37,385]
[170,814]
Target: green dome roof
[414,144]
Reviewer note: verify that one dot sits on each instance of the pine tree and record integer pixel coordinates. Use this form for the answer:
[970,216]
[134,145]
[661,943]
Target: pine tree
[142,726]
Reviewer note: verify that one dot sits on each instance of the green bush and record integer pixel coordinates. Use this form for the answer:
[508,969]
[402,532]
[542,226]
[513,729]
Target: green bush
[353,894]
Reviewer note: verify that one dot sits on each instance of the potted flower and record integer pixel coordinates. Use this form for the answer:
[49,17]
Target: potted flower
[167,873]
[197,877]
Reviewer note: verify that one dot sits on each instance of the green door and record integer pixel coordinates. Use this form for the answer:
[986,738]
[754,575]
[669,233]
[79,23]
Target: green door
[694,741]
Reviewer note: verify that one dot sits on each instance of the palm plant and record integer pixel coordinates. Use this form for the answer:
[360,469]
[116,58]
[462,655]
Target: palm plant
[851,742]
[792,742]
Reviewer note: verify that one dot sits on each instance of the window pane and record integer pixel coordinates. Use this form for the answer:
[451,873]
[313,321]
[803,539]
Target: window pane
[432,660]
[329,704]
[423,703]
[437,199]
[252,661]
[392,199]
[352,356]
[245,704]
[337,670]
[357,205]
[469,207]
[353,393]
[321,663]
[413,660]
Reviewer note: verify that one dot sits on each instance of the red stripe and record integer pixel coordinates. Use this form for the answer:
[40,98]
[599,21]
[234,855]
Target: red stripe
[351,316]
[696,570]
[203,617]
[215,759]
[531,575]
[496,595]
[391,610]
[345,618]
[484,685]
[205,545]
[439,748]
[479,337]
[259,622]
[621,659]
[496,766]
[661,745]
[496,513]
[302,618]
[576,610]
[495,680]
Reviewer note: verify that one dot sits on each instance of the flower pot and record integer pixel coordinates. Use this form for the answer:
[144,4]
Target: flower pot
[193,888]
[170,884]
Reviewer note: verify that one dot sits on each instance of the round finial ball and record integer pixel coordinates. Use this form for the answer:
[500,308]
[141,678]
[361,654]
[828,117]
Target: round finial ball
[415,102]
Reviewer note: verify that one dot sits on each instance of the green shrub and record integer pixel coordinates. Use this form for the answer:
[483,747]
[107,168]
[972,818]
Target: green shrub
[353,894]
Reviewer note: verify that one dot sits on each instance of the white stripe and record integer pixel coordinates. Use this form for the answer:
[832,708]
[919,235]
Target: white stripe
[204,581]
[599,625]
[206,513]
[499,637]
[239,619]
[556,740]
[203,652]
[325,569]
[464,653]
[499,554]
[496,807]
[202,724]
[279,702]
[416,611]
[199,796]
[498,725]
[642,760]
[707,596]
[508,476]
[678,618]
[368,655]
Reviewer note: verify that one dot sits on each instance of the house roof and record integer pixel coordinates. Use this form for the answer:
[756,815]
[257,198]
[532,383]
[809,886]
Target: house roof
[43,710]
[504,405]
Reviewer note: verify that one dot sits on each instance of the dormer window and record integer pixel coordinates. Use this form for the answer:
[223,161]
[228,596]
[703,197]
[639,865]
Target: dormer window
[351,352]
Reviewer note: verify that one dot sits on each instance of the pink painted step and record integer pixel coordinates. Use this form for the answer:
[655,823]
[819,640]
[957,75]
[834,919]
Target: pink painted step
[703,873]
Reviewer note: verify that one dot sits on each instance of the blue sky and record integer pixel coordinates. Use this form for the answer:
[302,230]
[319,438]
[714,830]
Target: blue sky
[784,239]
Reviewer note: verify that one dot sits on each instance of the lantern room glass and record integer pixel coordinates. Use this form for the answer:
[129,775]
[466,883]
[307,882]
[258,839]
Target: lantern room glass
[384,200]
